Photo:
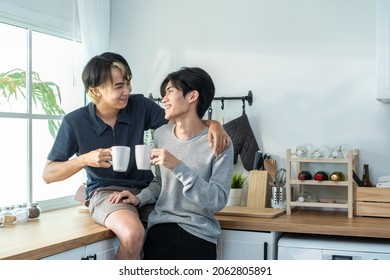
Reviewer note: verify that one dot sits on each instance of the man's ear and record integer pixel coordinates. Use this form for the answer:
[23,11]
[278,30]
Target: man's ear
[96,91]
[194,95]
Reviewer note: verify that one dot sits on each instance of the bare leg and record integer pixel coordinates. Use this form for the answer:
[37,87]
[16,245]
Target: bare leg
[130,232]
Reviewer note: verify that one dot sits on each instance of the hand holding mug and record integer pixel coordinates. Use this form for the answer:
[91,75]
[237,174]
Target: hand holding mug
[164,158]
[100,158]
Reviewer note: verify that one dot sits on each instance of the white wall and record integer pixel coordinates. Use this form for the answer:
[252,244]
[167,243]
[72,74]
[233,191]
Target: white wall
[309,63]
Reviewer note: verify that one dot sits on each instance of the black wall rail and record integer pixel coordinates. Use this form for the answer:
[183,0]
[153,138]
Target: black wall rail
[248,98]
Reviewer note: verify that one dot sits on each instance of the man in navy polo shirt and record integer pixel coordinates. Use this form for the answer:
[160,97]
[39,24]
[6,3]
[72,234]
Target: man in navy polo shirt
[114,117]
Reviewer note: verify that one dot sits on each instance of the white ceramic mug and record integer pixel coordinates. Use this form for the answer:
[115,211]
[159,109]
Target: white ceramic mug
[142,156]
[120,158]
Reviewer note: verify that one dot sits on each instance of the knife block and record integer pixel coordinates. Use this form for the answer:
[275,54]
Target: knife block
[259,192]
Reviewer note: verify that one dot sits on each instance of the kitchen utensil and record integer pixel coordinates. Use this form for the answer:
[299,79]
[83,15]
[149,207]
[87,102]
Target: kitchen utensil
[270,166]
[278,197]
[267,156]
[280,177]
[258,162]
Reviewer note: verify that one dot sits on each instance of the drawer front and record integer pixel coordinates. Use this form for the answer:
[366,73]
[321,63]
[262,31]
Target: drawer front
[372,194]
[372,209]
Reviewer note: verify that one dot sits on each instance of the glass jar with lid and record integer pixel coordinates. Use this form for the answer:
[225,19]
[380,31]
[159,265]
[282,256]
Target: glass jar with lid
[21,212]
[8,213]
[34,211]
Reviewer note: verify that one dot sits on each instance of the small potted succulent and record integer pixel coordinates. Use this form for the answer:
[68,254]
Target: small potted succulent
[235,195]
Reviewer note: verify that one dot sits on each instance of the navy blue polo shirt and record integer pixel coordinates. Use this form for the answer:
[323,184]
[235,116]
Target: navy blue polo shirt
[82,131]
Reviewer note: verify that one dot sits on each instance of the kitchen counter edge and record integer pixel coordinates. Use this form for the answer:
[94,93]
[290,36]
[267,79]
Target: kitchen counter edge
[61,230]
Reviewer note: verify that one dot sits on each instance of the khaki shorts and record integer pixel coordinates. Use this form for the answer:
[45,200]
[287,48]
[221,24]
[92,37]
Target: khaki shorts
[100,207]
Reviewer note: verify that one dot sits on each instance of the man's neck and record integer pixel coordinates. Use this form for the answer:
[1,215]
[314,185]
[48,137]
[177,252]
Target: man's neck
[188,128]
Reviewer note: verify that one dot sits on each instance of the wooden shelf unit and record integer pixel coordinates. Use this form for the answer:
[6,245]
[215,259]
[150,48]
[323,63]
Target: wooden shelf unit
[352,164]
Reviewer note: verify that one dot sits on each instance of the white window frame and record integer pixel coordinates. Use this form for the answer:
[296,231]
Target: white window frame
[19,17]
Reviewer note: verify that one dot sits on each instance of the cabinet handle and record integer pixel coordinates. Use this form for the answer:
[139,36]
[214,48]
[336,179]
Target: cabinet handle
[90,257]
[265,256]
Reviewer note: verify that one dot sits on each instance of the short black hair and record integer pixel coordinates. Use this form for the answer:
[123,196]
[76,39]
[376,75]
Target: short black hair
[98,69]
[188,79]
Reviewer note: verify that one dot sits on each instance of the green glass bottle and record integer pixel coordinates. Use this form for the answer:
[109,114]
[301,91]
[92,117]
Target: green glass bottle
[337,176]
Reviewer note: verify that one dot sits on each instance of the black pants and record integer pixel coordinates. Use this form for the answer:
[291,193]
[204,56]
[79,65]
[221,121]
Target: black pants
[171,242]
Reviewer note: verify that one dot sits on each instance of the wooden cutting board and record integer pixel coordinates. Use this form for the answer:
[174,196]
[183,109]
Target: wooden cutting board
[251,212]
[258,189]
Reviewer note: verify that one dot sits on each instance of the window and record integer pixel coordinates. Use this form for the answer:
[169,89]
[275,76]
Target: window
[26,126]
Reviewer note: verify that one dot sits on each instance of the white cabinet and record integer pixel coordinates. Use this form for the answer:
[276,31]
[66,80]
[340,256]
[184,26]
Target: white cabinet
[247,245]
[74,254]
[104,250]
[101,250]
[294,246]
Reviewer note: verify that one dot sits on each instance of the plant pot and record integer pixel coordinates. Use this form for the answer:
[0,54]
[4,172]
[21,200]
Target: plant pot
[234,198]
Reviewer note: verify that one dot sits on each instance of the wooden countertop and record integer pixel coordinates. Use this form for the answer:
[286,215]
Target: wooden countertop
[313,222]
[66,229]
[54,232]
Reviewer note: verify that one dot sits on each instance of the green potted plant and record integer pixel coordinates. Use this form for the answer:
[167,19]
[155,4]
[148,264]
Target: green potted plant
[235,195]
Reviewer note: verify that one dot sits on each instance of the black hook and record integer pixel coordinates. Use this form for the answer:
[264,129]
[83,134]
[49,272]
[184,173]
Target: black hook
[154,99]
[223,104]
[210,112]
[243,105]
[249,98]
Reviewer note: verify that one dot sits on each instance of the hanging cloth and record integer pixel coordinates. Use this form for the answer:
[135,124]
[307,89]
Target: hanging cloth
[244,141]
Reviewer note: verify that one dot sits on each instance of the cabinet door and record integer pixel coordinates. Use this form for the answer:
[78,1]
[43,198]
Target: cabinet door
[104,250]
[74,254]
[246,245]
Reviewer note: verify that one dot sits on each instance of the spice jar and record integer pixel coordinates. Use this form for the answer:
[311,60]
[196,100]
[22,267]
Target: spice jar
[9,216]
[21,212]
[34,211]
